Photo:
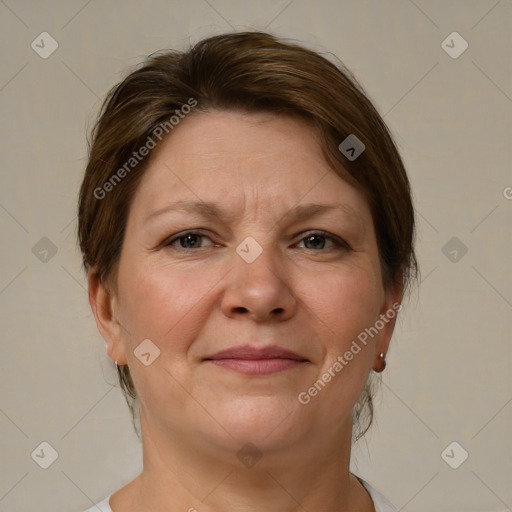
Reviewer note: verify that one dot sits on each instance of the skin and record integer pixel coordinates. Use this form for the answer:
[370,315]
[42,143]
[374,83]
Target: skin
[309,296]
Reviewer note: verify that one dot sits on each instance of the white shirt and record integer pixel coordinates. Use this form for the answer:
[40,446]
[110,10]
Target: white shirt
[379,501]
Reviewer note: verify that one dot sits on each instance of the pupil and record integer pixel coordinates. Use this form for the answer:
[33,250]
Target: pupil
[315,237]
[188,238]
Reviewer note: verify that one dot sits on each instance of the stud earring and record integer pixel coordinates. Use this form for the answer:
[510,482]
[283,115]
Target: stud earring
[382,363]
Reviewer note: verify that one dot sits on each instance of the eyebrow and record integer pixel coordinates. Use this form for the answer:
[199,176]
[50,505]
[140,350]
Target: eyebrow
[210,210]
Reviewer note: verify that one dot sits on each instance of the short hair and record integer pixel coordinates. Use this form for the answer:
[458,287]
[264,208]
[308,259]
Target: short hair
[248,72]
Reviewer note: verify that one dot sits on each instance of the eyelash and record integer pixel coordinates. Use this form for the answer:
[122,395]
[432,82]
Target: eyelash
[338,243]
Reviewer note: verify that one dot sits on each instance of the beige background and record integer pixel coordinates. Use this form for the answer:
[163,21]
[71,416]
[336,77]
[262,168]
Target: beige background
[449,372]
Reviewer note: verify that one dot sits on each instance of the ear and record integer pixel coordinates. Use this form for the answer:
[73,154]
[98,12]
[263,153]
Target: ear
[104,306]
[388,315]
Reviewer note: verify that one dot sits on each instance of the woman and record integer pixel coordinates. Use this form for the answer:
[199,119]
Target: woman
[247,229]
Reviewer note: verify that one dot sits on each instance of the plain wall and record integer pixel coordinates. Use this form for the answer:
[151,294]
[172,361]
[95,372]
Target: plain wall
[448,376]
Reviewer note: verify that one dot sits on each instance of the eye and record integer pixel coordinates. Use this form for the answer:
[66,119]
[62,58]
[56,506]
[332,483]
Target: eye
[317,239]
[187,240]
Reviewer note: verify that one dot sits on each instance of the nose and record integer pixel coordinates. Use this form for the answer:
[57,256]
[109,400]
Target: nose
[259,290]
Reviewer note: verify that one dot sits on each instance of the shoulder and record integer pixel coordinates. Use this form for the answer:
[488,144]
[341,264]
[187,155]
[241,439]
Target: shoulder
[380,502]
[102,506]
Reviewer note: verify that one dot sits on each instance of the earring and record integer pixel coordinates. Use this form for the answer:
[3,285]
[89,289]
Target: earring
[117,366]
[382,363]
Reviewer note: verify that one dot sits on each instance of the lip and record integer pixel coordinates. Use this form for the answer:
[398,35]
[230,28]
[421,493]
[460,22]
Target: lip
[251,360]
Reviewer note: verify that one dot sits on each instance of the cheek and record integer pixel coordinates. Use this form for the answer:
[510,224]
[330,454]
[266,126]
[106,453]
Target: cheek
[347,303]
[162,304]
[344,309]
[346,364]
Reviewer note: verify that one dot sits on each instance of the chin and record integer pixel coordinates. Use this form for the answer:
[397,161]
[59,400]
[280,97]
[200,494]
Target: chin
[265,421]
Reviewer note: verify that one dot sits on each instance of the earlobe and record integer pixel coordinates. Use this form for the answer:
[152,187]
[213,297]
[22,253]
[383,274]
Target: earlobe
[103,303]
[388,314]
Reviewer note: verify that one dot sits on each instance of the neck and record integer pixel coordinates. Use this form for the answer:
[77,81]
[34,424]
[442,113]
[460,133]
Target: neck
[181,474]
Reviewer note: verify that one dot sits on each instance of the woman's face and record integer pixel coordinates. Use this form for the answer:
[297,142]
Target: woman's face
[268,272]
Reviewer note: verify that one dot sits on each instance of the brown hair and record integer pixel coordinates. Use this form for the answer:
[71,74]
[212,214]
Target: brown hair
[251,72]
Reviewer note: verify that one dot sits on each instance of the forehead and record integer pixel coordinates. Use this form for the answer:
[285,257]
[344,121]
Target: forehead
[214,139]
[274,161]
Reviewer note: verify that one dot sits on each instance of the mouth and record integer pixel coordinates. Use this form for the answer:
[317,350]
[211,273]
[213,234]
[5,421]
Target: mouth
[250,360]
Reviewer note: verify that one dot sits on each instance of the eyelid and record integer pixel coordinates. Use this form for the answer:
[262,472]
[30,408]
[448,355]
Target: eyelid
[174,238]
[338,241]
